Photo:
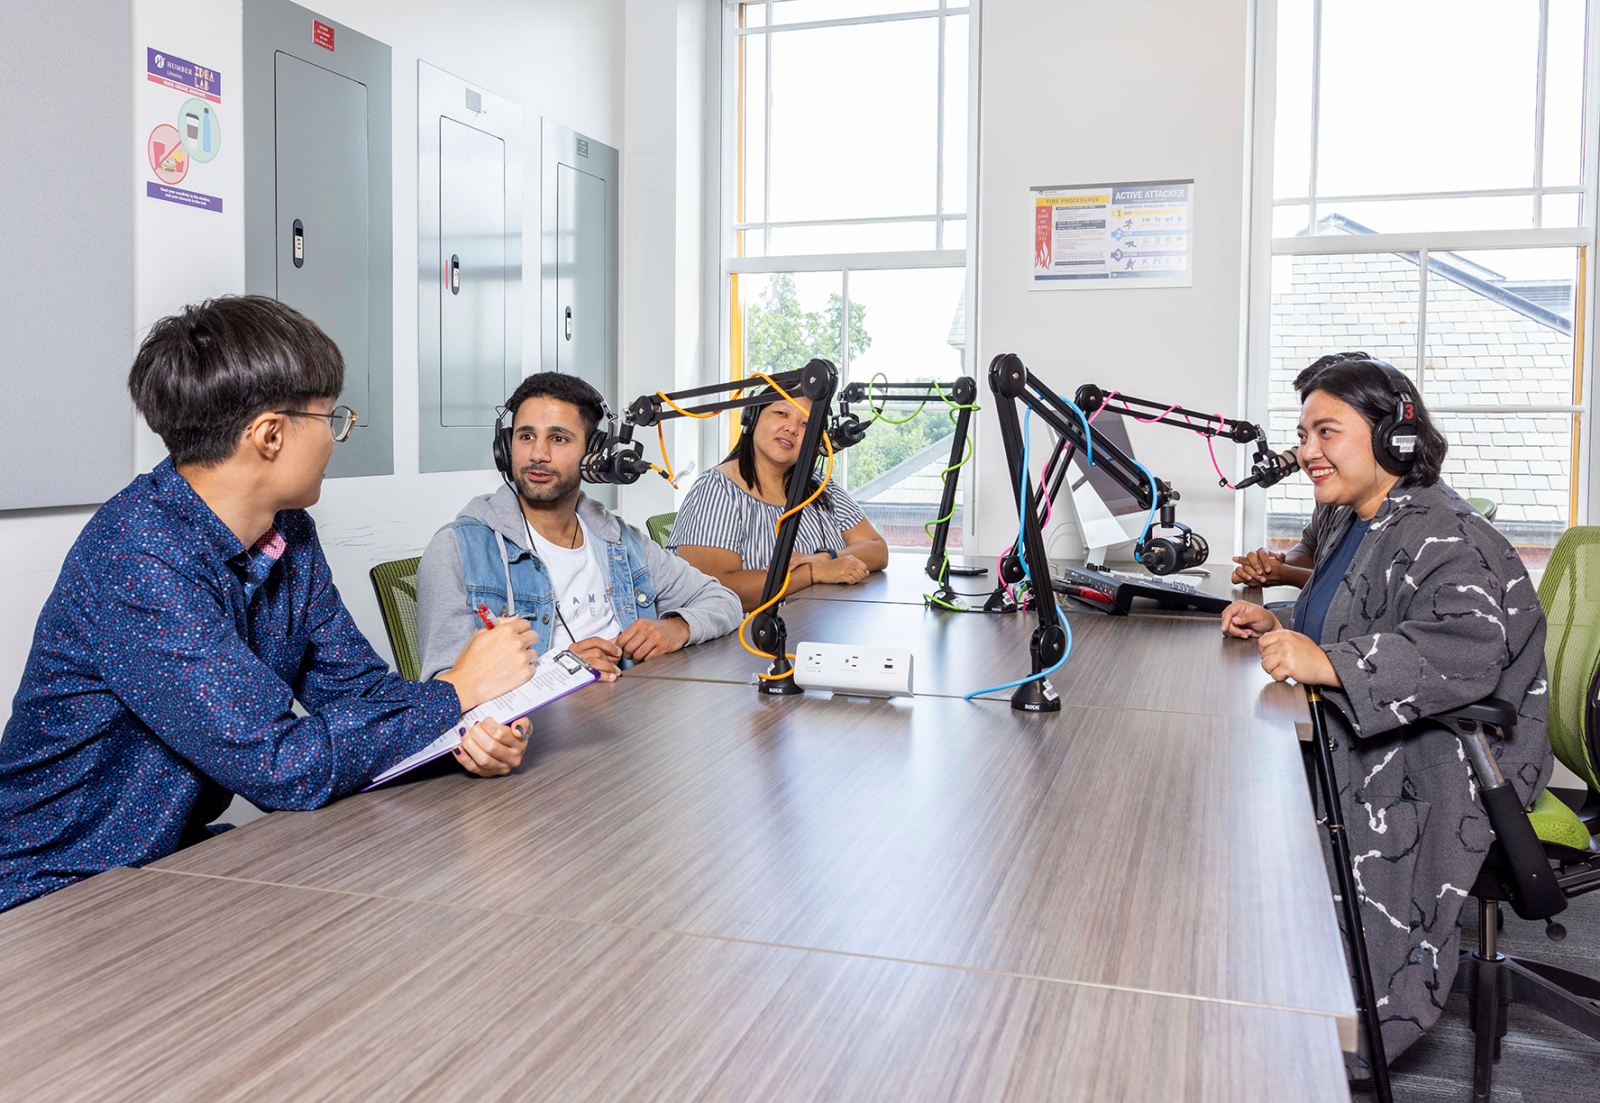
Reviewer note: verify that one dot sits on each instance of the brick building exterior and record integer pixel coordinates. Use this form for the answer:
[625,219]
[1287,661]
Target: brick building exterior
[1489,341]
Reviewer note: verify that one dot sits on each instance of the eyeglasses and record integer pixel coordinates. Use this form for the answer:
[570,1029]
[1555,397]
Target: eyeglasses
[341,421]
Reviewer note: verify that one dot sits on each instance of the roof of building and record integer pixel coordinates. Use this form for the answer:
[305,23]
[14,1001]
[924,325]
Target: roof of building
[1475,277]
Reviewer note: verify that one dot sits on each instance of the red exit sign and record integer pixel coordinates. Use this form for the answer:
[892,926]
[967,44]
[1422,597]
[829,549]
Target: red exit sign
[322,34]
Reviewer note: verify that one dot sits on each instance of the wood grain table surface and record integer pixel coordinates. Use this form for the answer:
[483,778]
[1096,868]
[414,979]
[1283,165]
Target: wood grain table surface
[693,891]
[1153,851]
[903,582]
[140,985]
[1167,664]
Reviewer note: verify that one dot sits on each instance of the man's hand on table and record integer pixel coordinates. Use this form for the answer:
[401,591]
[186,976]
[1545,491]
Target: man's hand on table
[602,654]
[647,638]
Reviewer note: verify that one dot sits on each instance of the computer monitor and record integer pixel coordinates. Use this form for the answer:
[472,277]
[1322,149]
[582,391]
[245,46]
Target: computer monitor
[1109,517]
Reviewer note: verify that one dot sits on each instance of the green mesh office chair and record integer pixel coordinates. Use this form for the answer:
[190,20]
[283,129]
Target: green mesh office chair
[1544,857]
[660,527]
[396,587]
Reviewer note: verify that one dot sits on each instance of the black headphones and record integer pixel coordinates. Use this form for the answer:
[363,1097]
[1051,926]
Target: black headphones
[596,442]
[1394,437]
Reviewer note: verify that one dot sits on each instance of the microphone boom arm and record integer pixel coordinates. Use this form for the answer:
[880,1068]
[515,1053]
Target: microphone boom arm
[818,381]
[1266,467]
[961,394]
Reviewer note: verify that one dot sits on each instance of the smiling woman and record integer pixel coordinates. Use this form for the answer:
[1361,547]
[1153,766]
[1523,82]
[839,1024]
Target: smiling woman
[1415,605]
[727,525]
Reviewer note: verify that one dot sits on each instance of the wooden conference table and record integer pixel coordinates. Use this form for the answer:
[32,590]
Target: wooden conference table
[692,892]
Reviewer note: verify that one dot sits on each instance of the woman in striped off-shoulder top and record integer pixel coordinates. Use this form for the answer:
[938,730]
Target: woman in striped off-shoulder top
[727,525]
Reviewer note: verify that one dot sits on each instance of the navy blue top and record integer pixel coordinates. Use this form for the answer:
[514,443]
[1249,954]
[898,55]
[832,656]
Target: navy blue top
[1325,582]
[161,679]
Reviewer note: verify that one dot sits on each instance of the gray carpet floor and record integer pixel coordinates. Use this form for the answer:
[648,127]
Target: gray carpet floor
[1541,1061]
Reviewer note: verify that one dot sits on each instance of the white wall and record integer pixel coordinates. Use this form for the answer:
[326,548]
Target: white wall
[1078,92]
[558,58]
[662,233]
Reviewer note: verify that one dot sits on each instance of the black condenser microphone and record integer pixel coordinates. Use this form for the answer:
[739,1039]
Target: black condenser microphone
[1271,468]
[616,461]
[847,430]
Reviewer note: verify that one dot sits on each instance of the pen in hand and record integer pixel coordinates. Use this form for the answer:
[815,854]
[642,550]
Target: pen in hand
[485,616]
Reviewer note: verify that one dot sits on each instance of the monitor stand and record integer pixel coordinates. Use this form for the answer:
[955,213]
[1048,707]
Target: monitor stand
[1101,531]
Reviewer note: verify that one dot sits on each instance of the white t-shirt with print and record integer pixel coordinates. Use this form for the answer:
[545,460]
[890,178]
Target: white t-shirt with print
[580,591]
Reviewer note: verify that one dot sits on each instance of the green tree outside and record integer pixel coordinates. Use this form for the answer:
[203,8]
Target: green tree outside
[888,444]
[779,336]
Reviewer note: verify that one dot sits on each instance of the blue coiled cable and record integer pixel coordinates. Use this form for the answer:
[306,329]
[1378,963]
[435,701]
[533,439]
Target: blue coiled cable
[1022,506]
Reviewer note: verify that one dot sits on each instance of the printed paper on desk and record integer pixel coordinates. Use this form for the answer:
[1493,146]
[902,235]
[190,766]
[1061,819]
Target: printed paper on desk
[556,676]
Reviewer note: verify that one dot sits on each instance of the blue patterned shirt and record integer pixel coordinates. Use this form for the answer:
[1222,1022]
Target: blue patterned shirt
[161,679]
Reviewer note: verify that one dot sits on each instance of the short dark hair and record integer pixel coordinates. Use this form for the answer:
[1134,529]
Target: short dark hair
[201,375]
[562,388]
[1363,382]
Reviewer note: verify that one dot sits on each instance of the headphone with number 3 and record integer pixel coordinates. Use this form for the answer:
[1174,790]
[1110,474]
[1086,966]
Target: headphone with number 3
[1394,437]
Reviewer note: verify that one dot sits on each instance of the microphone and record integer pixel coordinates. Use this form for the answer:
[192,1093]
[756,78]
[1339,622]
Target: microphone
[846,430]
[616,462]
[1271,468]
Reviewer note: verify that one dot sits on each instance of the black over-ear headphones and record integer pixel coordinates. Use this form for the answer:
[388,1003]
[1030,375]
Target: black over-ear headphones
[596,442]
[1394,437]
[502,447]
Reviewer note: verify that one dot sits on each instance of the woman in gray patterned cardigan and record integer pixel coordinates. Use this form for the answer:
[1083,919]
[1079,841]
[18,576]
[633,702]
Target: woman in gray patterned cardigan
[1415,605]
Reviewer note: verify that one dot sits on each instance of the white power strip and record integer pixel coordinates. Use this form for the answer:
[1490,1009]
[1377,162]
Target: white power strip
[856,671]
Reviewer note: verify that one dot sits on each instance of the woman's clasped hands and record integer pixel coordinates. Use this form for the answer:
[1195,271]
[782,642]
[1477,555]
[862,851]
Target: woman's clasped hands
[1284,654]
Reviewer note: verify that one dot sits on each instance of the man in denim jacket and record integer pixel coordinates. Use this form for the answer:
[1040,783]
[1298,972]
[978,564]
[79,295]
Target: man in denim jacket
[541,549]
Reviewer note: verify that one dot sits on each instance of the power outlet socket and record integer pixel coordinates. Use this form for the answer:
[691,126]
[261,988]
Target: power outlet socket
[854,670]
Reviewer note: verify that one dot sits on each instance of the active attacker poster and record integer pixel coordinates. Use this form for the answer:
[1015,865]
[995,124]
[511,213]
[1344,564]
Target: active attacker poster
[1137,234]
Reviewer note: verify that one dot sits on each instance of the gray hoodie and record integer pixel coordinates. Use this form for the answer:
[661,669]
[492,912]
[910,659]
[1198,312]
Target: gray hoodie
[445,619]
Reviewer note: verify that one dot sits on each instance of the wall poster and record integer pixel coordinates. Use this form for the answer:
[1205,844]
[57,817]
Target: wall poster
[178,109]
[1135,234]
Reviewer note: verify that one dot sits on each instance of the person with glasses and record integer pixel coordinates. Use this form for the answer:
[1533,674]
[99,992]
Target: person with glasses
[196,610]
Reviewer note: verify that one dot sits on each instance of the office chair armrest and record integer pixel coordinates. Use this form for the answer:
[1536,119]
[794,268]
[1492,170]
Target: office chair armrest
[1537,894]
[1490,710]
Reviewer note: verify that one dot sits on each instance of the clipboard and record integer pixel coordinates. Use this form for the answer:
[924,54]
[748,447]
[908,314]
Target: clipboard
[556,676]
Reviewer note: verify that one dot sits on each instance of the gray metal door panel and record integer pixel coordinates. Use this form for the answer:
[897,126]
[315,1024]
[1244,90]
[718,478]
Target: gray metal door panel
[321,165]
[581,271]
[469,207]
[579,215]
[316,137]
[472,258]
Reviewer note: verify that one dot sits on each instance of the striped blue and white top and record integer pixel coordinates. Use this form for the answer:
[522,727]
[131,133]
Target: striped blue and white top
[719,513]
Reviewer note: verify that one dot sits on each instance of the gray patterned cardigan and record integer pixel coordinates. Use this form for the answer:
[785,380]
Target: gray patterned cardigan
[1436,611]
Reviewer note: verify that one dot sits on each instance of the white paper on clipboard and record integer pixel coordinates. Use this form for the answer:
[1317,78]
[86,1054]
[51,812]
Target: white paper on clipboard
[556,676]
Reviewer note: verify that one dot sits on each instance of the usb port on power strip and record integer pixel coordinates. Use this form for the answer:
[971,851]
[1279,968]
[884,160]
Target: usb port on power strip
[854,670]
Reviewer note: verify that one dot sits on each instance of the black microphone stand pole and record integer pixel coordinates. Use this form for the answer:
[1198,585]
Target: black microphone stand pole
[1349,902]
[962,394]
[816,381]
[819,379]
[1008,381]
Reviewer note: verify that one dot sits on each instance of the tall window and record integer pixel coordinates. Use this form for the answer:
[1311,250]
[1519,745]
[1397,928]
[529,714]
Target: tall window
[1430,205]
[846,234]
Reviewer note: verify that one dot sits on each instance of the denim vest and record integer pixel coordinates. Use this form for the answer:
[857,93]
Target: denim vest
[505,577]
